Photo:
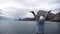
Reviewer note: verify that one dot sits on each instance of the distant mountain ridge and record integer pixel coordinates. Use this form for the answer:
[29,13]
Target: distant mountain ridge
[57,17]
[51,17]
[5,18]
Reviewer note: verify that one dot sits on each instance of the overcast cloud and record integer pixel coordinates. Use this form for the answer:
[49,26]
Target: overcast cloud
[21,8]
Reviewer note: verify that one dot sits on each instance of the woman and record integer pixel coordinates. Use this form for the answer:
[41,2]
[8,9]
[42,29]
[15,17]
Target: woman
[40,18]
[40,23]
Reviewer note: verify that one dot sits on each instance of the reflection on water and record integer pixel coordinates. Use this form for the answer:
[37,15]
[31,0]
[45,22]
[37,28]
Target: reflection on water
[27,27]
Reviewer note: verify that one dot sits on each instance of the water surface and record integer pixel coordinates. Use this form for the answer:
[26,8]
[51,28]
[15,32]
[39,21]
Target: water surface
[28,27]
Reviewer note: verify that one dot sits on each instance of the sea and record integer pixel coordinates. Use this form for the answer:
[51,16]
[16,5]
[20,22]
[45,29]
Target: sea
[28,27]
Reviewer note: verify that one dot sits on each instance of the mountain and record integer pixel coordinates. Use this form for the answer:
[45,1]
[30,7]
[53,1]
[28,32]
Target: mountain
[5,18]
[57,17]
[51,16]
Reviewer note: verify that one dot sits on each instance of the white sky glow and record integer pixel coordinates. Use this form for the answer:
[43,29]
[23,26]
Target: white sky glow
[9,6]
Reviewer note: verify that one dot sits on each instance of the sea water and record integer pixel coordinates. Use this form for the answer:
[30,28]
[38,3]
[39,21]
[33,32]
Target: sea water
[28,27]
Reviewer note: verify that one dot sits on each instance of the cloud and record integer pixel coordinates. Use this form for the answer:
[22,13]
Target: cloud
[21,8]
[39,4]
[17,12]
[31,4]
[1,12]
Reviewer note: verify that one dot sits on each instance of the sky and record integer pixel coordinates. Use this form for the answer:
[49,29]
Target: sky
[21,8]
